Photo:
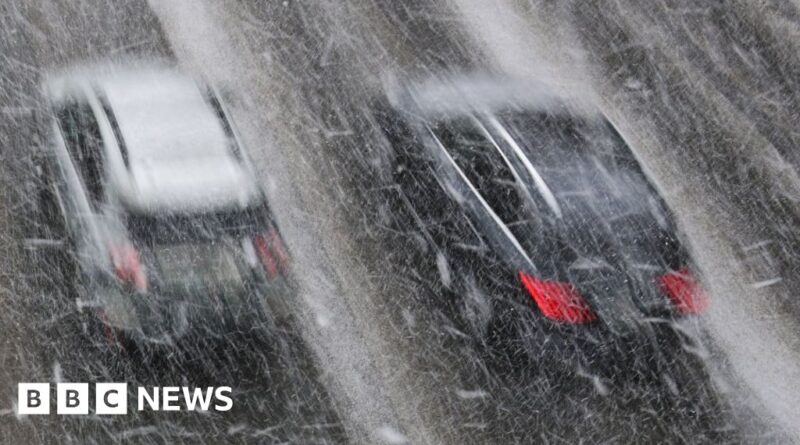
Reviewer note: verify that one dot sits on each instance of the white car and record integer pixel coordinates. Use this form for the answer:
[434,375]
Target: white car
[147,185]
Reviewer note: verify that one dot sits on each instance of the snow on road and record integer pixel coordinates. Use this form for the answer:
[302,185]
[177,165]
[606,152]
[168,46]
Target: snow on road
[338,322]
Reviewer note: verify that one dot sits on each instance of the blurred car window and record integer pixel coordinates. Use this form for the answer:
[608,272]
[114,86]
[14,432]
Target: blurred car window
[84,143]
[483,165]
[468,143]
[53,223]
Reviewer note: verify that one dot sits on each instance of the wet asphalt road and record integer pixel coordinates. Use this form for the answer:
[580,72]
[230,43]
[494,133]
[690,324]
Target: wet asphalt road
[301,78]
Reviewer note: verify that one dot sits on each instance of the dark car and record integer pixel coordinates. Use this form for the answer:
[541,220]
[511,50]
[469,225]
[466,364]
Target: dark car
[543,224]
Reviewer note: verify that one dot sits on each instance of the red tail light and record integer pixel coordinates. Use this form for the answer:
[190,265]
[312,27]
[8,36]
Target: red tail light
[128,266]
[684,291]
[558,301]
[272,253]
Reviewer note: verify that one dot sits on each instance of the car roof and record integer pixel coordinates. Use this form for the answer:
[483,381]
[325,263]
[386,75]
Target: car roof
[162,113]
[179,151]
[484,92]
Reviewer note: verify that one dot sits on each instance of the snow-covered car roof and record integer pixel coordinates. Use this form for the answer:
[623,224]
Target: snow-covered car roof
[487,92]
[179,154]
[164,115]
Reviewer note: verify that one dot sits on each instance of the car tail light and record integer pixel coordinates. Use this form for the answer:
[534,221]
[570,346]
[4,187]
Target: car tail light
[557,300]
[272,253]
[127,265]
[683,290]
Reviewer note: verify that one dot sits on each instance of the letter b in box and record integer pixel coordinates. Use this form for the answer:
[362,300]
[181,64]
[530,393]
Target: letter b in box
[72,398]
[33,398]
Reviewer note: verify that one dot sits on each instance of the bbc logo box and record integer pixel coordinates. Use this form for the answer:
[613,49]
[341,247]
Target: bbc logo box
[72,398]
[33,398]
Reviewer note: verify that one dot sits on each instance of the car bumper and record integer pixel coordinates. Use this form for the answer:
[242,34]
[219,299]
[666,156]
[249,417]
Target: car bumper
[651,349]
[164,319]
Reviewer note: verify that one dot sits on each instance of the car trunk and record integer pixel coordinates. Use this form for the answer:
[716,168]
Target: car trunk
[611,232]
[200,266]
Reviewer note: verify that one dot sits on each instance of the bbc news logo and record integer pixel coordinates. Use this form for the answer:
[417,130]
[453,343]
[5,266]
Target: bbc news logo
[112,398]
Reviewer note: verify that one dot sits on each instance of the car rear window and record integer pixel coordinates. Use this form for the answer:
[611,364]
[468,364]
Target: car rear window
[579,157]
[606,207]
[472,150]
[175,228]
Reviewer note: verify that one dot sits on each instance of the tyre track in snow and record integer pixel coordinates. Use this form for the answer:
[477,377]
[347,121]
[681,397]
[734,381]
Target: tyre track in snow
[336,307]
[724,111]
